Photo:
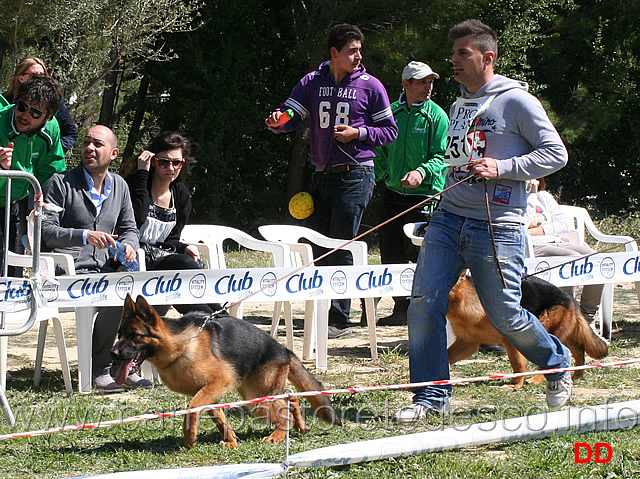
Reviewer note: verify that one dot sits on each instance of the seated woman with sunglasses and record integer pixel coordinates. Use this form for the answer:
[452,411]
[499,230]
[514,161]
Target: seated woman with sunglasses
[162,204]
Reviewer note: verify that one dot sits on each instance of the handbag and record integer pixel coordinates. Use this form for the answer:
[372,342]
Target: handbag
[153,254]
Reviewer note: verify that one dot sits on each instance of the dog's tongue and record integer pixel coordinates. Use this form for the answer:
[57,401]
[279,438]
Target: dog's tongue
[123,371]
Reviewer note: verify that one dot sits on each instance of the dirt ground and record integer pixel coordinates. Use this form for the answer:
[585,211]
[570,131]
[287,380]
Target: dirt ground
[342,351]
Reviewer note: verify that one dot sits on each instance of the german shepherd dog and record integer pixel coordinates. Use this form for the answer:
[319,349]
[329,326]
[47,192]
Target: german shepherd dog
[204,356]
[558,312]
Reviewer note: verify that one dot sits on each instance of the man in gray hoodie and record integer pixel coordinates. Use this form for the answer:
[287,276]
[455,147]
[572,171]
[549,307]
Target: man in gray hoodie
[499,136]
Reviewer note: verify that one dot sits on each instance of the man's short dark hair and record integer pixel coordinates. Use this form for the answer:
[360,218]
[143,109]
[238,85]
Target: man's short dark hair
[485,38]
[42,90]
[341,34]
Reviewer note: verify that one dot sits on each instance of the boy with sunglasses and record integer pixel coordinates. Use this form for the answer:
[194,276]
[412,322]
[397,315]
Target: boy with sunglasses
[29,141]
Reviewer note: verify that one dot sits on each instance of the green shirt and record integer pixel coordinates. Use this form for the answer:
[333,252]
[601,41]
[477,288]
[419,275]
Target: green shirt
[421,144]
[40,154]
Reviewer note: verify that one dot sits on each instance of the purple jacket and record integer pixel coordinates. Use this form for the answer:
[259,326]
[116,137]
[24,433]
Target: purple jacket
[360,100]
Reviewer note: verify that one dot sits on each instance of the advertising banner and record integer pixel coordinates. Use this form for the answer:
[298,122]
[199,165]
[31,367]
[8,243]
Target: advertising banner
[286,284]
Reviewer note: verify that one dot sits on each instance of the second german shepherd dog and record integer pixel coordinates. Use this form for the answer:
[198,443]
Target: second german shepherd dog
[558,312]
[204,356]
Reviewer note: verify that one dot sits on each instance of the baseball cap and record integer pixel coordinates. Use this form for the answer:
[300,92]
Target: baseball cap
[418,70]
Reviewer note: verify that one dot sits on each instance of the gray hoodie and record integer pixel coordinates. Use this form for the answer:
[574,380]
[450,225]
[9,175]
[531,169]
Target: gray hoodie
[509,124]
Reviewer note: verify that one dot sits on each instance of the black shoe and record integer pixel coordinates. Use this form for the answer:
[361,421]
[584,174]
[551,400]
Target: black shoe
[496,349]
[106,384]
[335,332]
[398,318]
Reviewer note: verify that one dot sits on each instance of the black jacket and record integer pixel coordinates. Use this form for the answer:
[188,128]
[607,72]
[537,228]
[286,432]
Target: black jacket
[140,190]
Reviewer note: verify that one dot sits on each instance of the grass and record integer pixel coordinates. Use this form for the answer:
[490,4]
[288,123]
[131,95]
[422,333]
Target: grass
[158,444]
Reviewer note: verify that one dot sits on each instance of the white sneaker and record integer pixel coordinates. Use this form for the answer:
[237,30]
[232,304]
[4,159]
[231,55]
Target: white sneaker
[417,412]
[559,392]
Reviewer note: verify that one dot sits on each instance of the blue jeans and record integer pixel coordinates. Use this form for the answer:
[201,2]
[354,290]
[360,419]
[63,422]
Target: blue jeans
[339,203]
[451,244]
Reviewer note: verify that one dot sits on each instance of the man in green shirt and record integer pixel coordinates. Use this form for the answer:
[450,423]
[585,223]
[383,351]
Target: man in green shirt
[29,141]
[412,169]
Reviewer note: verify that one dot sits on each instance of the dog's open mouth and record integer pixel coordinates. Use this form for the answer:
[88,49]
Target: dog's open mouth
[129,366]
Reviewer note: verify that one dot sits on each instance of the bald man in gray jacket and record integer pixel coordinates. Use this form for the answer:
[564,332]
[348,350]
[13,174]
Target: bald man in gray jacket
[94,211]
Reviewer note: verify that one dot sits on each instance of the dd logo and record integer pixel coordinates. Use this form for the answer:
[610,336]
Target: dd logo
[597,447]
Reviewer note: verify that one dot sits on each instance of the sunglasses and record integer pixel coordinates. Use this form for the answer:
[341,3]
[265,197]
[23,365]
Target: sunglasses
[162,163]
[34,112]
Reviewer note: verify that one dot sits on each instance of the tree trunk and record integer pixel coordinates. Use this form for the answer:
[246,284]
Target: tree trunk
[108,99]
[141,108]
[298,161]
[110,91]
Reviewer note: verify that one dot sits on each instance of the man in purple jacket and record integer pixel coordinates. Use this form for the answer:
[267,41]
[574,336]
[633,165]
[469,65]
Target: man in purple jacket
[349,115]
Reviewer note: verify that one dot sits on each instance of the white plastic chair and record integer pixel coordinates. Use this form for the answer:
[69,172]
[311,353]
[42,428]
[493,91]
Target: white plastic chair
[44,315]
[582,223]
[209,239]
[300,255]
[316,330]
[410,231]
[26,319]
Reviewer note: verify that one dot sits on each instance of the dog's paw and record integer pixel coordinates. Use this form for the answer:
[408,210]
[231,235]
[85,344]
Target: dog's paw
[303,428]
[516,383]
[275,437]
[537,379]
[229,439]
[188,443]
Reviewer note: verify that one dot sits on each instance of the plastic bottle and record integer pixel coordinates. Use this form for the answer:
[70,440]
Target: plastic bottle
[285,117]
[119,254]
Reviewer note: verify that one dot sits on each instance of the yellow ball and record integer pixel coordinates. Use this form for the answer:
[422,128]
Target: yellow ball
[301,205]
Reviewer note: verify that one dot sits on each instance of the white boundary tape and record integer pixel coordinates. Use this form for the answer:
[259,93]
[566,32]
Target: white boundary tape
[146,417]
[231,471]
[604,417]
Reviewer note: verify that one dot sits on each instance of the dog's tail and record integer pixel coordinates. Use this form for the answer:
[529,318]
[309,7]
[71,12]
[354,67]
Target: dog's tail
[594,345]
[303,380]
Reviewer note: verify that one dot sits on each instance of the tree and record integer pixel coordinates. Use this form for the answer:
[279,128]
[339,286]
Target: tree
[246,58]
[19,23]
[593,72]
[218,82]
[87,42]
[228,76]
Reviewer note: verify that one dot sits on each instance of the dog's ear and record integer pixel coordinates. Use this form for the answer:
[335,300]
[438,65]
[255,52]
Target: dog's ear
[145,310]
[129,305]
